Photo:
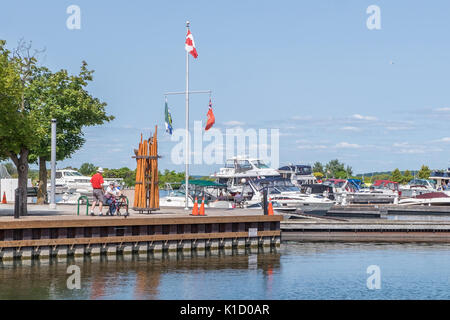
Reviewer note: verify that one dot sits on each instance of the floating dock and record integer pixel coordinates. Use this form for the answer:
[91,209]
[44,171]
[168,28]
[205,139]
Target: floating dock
[169,230]
[365,230]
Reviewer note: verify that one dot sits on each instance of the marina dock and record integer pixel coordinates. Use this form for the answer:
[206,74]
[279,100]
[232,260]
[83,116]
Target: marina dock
[61,234]
[372,223]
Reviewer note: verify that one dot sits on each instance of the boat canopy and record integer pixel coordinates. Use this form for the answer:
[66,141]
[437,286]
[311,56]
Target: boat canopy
[205,183]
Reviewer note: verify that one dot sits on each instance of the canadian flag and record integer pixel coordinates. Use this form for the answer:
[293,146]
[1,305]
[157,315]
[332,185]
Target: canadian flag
[190,44]
[211,119]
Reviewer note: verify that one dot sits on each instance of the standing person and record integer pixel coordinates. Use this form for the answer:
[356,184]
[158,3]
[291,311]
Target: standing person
[97,185]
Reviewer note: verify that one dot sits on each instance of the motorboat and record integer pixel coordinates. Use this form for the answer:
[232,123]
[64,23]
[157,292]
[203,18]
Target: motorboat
[215,195]
[285,196]
[428,199]
[417,187]
[70,185]
[242,167]
[298,174]
[353,191]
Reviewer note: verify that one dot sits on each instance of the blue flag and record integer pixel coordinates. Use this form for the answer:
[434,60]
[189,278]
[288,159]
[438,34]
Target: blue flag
[168,120]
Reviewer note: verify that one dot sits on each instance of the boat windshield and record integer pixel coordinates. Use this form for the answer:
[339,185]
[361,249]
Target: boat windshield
[259,164]
[337,184]
[72,174]
[304,170]
[279,186]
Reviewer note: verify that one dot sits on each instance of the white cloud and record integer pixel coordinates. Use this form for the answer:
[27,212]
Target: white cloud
[445,139]
[361,117]
[351,129]
[443,109]
[347,145]
[234,123]
[312,146]
[301,118]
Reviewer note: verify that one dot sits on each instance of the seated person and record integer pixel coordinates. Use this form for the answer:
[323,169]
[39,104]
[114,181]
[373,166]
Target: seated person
[110,197]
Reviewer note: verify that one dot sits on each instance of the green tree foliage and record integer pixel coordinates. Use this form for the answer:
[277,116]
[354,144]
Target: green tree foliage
[396,176]
[128,175]
[318,167]
[407,177]
[335,169]
[17,122]
[424,172]
[87,169]
[170,177]
[64,97]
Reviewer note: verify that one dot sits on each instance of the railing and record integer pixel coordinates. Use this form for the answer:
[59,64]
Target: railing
[87,205]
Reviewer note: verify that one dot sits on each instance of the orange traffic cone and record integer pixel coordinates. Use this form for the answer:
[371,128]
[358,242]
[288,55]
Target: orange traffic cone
[270,208]
[202,207]
[4,198]
[195,208]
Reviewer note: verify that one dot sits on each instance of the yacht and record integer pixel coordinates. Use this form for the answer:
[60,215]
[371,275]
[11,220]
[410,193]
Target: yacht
[285,196]
[417,187]
[298,174]
[70,185]
[242,167]
[353,191]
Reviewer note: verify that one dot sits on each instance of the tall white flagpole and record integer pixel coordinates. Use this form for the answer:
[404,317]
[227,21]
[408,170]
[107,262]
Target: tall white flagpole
[186,179]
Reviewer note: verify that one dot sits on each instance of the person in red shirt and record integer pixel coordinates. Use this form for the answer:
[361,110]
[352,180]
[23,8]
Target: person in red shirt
[97,185]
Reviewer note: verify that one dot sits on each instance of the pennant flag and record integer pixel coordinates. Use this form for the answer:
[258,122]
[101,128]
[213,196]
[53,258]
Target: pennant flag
[190,44]
[211,118]
[168,119]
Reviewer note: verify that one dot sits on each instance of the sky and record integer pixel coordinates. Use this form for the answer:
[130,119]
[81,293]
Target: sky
[376,99]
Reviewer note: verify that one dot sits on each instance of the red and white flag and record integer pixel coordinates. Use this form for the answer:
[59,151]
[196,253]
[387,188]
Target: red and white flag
[211,119]
[190,44]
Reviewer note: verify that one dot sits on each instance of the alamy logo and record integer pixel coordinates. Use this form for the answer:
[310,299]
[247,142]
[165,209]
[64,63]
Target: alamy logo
[73,22]
[374,20]
[74,280]
[214,146]
[374,280]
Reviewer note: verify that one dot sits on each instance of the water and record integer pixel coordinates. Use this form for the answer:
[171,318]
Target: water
[295,271]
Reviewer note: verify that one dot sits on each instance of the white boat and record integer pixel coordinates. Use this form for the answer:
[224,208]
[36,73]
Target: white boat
[417,187]
[284,195]
[298,174]
[242,167]
[215,195]
[350,191]
[427,199]
[70,185]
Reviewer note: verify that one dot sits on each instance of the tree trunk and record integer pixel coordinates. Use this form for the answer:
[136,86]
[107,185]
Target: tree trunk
[22,170]
[42,188]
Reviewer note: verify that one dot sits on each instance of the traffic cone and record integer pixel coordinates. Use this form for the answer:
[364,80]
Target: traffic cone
[202,207]
[195,208]
[4,198]
[270,208]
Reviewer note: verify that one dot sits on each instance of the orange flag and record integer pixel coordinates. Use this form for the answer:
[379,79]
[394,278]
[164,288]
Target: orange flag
[211,120]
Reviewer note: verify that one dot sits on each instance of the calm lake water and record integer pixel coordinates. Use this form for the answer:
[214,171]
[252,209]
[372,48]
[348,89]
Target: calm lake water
[295,271]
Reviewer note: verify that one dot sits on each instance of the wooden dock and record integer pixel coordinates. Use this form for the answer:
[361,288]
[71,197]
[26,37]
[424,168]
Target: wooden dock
[365,230]
[43,236]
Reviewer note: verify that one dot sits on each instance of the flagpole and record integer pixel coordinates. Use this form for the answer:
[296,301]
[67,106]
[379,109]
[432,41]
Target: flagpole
[186,178]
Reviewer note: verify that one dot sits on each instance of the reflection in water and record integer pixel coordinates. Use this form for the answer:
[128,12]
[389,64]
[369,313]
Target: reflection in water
[129,276]
[296,271]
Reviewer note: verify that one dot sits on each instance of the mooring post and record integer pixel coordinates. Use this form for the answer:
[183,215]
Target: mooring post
[17,204]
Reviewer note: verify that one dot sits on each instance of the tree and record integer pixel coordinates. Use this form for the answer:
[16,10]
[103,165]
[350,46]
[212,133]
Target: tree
[60,96]
[407,177]
[424,172]
[396,176]
[318,167]
[333,167]
[17,123]
[87,169]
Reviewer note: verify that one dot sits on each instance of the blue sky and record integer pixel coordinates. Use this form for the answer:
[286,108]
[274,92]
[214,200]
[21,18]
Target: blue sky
[374,99]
